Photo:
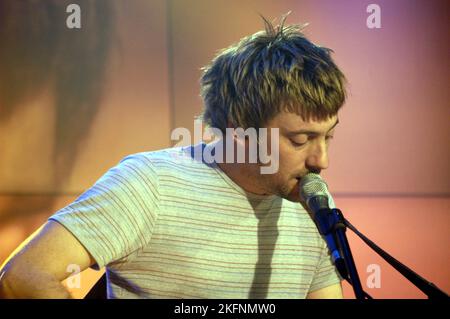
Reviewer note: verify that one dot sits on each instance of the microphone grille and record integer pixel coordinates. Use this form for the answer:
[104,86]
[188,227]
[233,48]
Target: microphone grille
[312,185]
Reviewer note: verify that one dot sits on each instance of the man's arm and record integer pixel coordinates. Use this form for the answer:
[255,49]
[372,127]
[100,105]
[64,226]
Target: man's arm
[37,267]
[330,292]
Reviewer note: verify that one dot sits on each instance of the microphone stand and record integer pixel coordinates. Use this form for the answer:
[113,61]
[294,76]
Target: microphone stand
[351,273]
[424,285]
[338,227]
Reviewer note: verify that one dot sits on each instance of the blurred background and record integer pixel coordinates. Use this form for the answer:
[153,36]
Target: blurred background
[74,102]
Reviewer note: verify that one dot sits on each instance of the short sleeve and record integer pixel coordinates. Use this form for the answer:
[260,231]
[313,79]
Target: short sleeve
[326,273]
[116,216]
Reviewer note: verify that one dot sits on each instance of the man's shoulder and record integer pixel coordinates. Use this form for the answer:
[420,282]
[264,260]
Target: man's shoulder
[175,159]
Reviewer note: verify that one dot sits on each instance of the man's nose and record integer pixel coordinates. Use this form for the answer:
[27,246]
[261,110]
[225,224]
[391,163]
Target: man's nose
[318,157]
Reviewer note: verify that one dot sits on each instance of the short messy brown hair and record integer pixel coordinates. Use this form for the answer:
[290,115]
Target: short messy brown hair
[274,70]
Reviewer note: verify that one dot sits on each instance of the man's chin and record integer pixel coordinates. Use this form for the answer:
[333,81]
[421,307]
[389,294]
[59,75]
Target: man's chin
[294,194]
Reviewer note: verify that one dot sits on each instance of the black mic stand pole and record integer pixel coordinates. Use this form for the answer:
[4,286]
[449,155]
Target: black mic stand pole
[344,247]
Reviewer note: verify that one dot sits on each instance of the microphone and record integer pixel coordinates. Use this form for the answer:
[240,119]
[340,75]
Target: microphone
[314,191]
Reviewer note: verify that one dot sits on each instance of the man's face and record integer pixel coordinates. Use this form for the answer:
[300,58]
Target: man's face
[303,148]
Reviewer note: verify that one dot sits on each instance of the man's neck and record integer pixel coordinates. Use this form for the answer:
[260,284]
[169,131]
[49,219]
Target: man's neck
[239,174]
[245,175]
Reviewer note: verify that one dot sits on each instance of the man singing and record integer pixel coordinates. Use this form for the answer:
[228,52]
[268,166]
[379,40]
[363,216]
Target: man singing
[168,224]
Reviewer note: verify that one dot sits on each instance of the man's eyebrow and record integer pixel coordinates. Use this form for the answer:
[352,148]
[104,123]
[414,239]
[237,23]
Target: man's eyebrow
[309,132]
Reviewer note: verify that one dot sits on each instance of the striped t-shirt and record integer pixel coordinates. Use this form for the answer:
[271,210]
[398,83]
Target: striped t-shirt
[167,225]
